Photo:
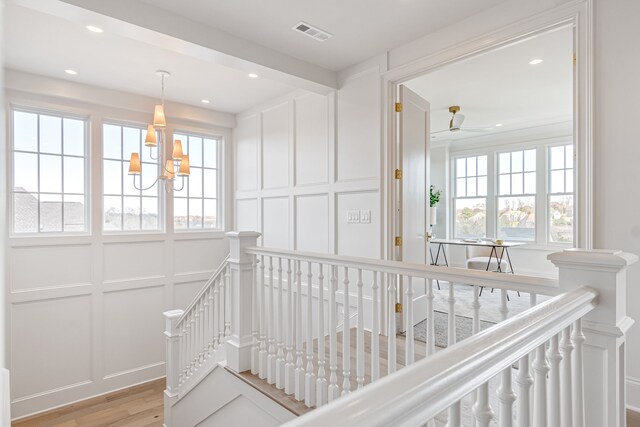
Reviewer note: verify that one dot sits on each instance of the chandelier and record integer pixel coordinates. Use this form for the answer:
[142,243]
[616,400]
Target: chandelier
[171,160]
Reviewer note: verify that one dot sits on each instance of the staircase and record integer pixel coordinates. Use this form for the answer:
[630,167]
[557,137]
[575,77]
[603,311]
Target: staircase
[282,336]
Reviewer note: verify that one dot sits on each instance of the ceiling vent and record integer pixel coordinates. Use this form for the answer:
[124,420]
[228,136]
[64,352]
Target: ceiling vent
[311,31]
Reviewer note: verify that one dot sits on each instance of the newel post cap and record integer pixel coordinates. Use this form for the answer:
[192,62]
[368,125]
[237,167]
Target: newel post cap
[593,259]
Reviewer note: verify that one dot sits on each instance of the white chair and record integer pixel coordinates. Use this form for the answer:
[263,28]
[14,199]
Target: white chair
[482,258]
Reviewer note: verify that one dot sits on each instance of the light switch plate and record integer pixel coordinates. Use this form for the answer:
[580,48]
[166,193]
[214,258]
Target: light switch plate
[353,216]
[365,217]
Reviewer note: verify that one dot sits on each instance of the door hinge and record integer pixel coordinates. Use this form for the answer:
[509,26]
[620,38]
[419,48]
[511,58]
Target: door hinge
[398,241]
[575,59]
[398,174]
[398,307]
[398,107]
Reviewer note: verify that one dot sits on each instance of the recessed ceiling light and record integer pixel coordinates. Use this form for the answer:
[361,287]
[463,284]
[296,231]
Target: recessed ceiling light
[72,72]
[535,61]
[498,125]
[95,29]
[253,75]
[205,101]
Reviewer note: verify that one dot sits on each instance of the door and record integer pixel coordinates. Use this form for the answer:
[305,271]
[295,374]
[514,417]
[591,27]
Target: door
[413,148]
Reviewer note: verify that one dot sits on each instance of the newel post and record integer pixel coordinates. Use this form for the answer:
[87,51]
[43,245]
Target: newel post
[172,360]
[241,283]
[604,328]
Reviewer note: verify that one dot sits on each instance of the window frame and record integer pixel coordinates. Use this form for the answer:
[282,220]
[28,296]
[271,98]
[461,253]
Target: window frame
[62,114]
[219,182]
[162,206]
[454,194]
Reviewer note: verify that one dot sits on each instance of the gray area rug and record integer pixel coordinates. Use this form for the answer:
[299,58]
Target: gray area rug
[464,327]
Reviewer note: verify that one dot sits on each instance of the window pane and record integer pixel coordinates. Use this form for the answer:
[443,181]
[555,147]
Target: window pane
[461,187]
[112,181]
[556,155]
[517,161]
[516,218]
[461,169]
[25,172]
[569,181]
[150,213]
[50,174]
[112,213]
[505,162]
[517,185]
[195,151]
[569,155]
[73,175]
[471,187]
[25,216]
[557,181]
[73,131]
[482,186]
[180,213]
[471,166]
[74,213]
[530,183]
[210,183]
[210,213]
[195,183]
[210,153]
[50,213]
[111,142]
[504,184]
[482,165]
[530,161]
[25,131]
[131,207]
[561,219]
[50,134]
[195,213]
[130,142]
[470,217]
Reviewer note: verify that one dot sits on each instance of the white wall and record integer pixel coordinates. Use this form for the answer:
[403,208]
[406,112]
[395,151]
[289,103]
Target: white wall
[86,311]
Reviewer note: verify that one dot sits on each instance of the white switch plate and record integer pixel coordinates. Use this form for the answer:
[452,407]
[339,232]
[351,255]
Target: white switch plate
[353,216]
[365,217]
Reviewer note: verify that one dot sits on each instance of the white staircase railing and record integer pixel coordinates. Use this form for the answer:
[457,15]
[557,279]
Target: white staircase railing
[281,309]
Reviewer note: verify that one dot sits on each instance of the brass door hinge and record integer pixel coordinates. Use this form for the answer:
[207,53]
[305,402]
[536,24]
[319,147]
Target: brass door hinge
[398,174]
[575,59]
[398,107]
[398,241]
[398,307]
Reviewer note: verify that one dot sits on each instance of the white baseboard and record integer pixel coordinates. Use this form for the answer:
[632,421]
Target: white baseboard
[633,394]
[5,399]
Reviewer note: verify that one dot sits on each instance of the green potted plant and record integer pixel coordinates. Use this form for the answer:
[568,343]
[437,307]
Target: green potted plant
[434,198]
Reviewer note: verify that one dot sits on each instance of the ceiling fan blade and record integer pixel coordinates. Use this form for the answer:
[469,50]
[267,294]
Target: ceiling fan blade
[457,120]
[476,129]
[440,131]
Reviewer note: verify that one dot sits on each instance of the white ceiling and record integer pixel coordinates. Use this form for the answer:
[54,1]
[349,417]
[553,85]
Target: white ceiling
[361,28]
[44,44]
[501,87]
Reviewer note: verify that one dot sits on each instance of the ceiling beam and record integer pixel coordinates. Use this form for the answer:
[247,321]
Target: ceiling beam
[155,26]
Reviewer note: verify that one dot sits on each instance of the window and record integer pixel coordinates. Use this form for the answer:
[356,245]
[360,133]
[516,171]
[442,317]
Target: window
[195,205]
[470,202]
[560,193]
[49,163]
[126,207]
[517,195]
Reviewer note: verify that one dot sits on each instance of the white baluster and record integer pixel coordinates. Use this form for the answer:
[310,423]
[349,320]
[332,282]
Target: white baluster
[524,381]
[201,339]
[192,346]
[391,350]
[254,317]
[299,391]
[271,356]
[289,367]
[280,331]
[375,329]
[310,376]
[216,317]
[227,303]
[577,380]
[346,338]
[333,390]
[262,355]
[482,409]
[431,330]
[533,299]
[475,327]
[451,335]
[212,312]
[321,382]
[360,334]
[454,418]
[566,403]
[409,344]
[505,391]
[183,352]
[554,357]
[221,320]
[540,370]
[196,335]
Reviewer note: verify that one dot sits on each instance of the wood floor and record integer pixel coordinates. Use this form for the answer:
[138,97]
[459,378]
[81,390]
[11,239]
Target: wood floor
[138,406]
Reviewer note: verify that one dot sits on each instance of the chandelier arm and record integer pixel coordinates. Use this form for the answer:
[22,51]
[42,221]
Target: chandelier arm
[151,154]
[181,188]
[143,189]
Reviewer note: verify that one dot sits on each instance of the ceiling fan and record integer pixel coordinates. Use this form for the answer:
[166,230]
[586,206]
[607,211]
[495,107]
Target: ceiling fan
[455,124]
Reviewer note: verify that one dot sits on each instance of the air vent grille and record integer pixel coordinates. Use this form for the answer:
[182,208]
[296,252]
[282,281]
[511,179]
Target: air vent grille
[311,31]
